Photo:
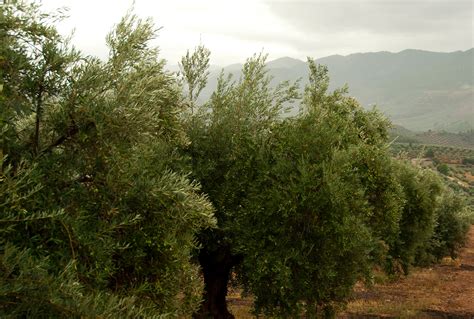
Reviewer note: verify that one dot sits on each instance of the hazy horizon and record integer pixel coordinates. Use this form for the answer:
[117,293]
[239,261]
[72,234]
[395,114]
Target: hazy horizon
[235,30]
[323,57]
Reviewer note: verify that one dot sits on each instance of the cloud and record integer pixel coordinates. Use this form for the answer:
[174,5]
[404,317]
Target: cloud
[386,17]
[234,30]
[436,25]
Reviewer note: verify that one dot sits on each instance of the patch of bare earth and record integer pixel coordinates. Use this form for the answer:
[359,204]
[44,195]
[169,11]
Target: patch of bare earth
[443,291]
[240,306]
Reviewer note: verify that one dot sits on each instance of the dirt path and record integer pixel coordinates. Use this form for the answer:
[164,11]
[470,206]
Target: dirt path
[443,291]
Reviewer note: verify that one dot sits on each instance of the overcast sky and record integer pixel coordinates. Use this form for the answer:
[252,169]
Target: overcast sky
[234,30]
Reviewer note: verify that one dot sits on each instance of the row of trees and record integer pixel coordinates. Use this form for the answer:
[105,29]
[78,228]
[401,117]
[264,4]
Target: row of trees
[308,205]
[120,196]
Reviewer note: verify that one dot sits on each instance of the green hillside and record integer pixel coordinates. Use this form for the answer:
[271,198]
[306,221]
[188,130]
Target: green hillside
[440,138]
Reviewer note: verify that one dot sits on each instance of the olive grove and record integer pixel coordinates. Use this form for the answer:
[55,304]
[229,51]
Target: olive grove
[121,196]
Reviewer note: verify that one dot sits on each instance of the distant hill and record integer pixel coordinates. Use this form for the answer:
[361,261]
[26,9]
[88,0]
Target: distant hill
[463,140]
[419,90]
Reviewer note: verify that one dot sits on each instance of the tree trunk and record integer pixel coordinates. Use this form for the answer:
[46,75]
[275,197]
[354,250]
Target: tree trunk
[216,267]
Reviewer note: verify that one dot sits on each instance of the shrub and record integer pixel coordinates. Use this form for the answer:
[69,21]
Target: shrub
[421,190]
[452,225]
[443,168]
[468,161]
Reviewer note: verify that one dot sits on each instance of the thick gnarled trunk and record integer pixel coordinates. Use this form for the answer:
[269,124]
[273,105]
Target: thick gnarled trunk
[216,267]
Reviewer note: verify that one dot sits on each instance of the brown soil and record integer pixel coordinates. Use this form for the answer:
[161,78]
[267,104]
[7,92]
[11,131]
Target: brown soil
[443,291]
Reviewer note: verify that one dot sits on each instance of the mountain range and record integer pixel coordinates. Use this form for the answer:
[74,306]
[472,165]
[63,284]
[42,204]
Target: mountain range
[419,90]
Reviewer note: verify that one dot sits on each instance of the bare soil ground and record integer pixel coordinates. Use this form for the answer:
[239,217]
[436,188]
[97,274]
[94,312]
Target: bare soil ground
[443,291]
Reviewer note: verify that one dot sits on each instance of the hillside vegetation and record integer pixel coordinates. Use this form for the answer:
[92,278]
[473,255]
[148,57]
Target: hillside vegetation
[440,138]
[417,89]
[455,165]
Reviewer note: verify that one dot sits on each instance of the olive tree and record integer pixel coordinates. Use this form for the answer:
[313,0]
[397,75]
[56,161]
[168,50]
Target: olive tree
[112,226]
[303,204]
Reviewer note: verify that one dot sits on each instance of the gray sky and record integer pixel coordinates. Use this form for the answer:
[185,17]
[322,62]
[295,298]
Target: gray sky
[234,30]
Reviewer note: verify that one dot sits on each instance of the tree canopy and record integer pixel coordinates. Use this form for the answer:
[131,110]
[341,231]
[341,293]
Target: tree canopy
[96,191]
[122,196]
[306,205]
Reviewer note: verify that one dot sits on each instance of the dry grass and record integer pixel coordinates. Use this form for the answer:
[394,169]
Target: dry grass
[404,299]
[241,311]
[240,306]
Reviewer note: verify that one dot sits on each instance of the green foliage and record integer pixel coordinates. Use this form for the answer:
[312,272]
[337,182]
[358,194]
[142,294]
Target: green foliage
[452,225]
[34,66]
[227,132]
[308,204]
[468,161]
[421,191]
[30,285]
[443,168]
[108,185]
[194,70]
[430,153]
[303,200]
[325,200]
[29,289]
[434,221]
[101,138]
